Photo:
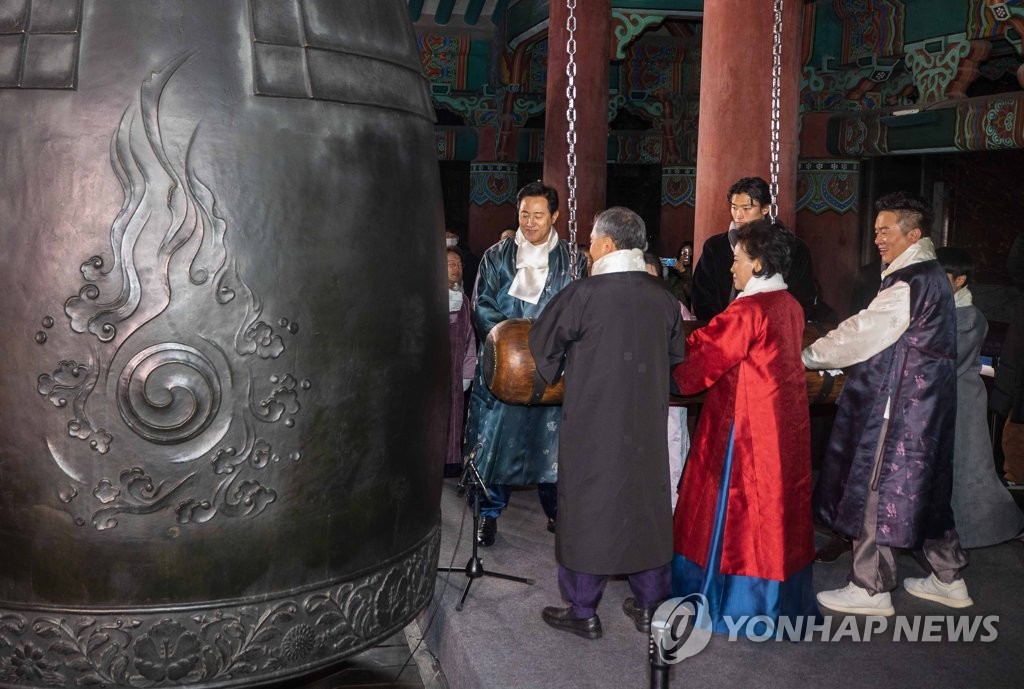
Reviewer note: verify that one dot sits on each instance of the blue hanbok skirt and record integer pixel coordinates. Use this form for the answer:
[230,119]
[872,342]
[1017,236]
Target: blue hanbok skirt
[739,597]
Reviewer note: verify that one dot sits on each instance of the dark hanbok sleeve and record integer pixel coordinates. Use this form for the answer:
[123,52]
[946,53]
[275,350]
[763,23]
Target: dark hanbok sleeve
[557,327]
[717,347]
[676,352]
[677,342]
[971,328]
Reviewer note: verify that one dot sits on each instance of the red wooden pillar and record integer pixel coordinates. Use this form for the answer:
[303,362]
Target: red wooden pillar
[593,18]
[734,131]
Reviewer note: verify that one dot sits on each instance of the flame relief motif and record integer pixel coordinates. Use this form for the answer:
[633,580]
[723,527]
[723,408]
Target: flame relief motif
[168,246]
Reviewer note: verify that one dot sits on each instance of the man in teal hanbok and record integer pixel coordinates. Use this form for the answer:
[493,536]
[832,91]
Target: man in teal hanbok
[517,445]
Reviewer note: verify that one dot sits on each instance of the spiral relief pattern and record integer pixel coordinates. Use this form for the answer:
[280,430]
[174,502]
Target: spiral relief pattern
[169,393]
[169,227]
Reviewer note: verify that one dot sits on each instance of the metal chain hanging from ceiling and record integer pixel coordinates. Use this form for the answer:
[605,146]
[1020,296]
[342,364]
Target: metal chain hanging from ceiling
[773,210]
[570,136]
[570,116]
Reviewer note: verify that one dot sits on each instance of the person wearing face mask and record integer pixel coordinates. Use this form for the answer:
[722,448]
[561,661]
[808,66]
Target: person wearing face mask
[463,360]
[470,263]
[749,200]
[743,535]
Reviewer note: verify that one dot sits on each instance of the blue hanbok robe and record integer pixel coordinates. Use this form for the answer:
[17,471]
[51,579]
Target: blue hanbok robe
[518,445]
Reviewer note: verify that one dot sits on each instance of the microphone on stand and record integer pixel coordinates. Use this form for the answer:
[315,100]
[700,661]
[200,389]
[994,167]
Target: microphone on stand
[469,461]
[474,569]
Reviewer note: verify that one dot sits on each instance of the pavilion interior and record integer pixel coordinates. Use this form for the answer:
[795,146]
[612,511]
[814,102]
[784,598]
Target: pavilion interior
[916,95]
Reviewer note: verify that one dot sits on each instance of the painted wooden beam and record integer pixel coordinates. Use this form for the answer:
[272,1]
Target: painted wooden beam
[443,15]
[415,9]
[499,12]
[473,10]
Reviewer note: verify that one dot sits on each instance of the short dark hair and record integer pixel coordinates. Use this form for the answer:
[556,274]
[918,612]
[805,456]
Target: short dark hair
[770,242]
[652,261]
[956,261]
[754,187]
[911,211]
[538,188]
[625,228]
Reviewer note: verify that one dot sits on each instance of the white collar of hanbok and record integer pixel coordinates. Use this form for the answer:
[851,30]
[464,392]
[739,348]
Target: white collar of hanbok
[963,297]
[622,261]
[455,297]
[921,250]
[756,285]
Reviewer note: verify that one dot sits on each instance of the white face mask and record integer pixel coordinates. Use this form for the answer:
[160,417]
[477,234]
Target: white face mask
[451,241]
[454,300]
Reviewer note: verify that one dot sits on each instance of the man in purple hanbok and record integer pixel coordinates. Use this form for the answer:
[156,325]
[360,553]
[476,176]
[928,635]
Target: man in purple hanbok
[886,477]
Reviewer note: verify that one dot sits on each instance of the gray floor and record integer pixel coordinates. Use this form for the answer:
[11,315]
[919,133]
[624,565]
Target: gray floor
[499,639]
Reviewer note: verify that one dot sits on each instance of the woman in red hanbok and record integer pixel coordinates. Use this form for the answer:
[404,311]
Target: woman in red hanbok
[743,536]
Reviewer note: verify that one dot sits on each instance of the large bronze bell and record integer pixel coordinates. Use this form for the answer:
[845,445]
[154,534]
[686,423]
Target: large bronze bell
[223,380]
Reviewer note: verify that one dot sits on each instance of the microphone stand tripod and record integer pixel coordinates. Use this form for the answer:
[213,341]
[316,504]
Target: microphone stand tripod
[474,569]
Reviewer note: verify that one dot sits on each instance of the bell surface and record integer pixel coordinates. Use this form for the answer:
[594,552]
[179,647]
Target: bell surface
[223,389]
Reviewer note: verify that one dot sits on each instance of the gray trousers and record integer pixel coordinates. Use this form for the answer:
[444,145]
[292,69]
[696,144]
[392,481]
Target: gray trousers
[874,565]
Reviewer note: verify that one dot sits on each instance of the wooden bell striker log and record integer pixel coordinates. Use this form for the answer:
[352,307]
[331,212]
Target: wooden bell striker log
[511,373]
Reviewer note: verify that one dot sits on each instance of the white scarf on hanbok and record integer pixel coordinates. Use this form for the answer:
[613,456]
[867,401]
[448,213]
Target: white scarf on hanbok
[531,266]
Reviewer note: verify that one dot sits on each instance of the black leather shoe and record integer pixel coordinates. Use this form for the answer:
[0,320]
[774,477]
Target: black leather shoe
[831,551]
[551,525]
[562,619]
[486,532]
[641,617]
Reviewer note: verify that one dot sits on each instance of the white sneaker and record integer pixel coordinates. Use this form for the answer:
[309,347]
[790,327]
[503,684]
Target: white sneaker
[930,588]
[854,600]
